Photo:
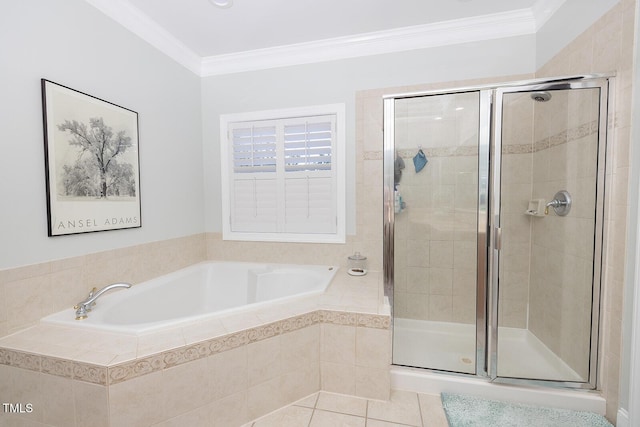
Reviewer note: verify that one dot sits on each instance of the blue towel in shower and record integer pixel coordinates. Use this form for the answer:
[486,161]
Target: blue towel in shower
[420,160]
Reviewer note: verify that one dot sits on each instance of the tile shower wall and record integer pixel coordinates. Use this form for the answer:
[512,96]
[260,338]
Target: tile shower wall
[546,261]
[607,46]
[517,142]
[435,235]
[565,158]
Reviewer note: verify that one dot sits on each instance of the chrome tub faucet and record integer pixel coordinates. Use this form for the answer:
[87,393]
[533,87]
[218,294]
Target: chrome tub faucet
[83,307]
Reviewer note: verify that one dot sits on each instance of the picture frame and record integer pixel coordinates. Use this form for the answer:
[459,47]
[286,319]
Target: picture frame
[92,163]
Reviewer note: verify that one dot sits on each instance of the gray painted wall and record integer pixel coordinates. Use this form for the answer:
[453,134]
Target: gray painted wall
[72,43]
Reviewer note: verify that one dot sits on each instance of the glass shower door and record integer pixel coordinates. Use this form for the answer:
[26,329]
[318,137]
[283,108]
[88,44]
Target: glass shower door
[551,143]
[435,153]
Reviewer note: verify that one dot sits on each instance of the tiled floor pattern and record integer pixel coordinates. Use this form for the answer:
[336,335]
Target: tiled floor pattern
[336,410]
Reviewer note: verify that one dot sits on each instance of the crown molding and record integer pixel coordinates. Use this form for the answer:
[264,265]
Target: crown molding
[485,27]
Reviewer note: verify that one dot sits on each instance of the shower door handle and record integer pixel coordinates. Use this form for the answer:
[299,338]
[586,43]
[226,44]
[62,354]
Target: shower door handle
[497,238]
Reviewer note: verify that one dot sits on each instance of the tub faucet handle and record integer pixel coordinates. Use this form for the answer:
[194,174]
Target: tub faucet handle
[87,307]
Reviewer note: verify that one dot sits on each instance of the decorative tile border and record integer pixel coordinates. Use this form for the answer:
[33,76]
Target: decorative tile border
[338,317]
[32,362]
[560,138]
[57,367]
[373,155]
[518,149]
[301,321]
[90,373]
[563,137]
[110,375]
[374,321]
[54,366]
[464,150]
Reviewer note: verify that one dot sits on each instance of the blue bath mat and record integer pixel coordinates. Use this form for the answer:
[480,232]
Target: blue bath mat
[468,411]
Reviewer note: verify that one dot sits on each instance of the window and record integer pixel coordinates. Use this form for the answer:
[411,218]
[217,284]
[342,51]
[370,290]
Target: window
[283,176]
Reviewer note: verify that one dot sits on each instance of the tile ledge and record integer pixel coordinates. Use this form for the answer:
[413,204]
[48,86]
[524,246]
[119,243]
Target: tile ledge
[20,350]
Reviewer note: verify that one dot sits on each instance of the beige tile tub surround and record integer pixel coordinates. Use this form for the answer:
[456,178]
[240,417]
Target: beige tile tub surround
[247,367]
[31,292]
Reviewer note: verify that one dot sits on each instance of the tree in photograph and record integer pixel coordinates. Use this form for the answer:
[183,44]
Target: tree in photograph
[122,180]
[81,179]
[102,146]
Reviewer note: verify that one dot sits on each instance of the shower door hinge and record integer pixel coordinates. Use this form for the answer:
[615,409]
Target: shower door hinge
[497,238]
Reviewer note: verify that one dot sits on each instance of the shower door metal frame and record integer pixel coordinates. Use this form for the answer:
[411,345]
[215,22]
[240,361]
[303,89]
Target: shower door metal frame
[489,232]
[484,135]
[582,82]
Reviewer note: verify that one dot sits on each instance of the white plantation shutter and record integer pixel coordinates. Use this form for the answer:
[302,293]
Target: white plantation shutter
[254,205]
[309,205]
[309,175]
[254,179]
[282,179]
[308,145]
[254,148]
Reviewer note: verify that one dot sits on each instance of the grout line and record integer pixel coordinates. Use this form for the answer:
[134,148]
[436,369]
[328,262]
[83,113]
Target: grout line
[366,411]
[420,410]
[366,417]
[393,422]
[340,413]
[313,412]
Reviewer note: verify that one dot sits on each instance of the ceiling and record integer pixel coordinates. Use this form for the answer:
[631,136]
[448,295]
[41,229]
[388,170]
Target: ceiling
[195,32]
[255,24]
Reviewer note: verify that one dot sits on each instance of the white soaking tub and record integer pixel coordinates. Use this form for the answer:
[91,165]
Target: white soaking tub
[198,292]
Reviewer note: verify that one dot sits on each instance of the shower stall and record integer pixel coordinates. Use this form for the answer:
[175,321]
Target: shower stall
[493,248]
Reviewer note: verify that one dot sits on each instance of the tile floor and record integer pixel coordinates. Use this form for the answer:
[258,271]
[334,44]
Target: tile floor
[324,409]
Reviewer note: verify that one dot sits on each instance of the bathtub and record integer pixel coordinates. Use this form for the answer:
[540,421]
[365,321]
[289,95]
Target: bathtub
[197,293]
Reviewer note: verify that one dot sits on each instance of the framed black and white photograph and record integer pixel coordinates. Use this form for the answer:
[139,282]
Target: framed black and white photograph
[91,161]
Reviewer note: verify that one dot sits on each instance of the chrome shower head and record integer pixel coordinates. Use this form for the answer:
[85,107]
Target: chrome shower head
[540,96]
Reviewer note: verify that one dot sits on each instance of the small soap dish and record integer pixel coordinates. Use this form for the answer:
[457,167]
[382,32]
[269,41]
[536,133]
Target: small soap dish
[536,207]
